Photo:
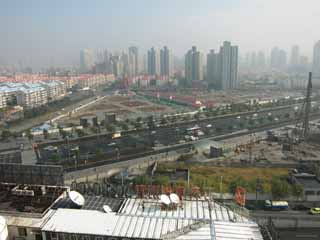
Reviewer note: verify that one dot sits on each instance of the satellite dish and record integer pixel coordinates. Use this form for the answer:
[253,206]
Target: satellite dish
[174,198]
[165,199]
[76,198]
[107,209]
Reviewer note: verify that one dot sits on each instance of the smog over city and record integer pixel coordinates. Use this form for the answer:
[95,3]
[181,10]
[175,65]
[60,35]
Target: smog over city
[45,33]
[171,119]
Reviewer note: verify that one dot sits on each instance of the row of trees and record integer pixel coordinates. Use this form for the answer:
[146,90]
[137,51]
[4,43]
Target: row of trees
[280,188]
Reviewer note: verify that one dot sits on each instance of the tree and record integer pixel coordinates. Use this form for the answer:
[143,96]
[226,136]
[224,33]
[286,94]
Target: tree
[261,120]
[45,134]
[6,134]
[162,180]
[125,126]
[80,132]
[139,119]
[110,127]
[163,121]
[239,182]
[279,188]
[63,133]
[99,153]
[29,135]
[297,191]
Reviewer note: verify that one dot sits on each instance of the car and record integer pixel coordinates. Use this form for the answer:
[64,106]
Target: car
[300,207]
[112,144]
[315,211]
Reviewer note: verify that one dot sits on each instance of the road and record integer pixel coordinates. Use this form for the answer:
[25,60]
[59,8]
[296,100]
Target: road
[299,233]
[52,116]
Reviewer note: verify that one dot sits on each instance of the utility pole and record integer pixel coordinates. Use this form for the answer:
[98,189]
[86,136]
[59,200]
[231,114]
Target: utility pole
[221,178]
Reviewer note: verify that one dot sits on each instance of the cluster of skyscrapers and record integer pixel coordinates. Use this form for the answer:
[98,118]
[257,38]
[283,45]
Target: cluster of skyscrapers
[160,63]
[120,64]
[220,70]
[222,66]
[279,60]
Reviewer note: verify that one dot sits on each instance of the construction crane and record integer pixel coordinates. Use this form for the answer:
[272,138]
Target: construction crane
[302,134]
[305,125]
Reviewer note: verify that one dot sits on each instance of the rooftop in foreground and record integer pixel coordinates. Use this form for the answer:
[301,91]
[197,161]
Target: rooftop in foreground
[149,219]
[32,200]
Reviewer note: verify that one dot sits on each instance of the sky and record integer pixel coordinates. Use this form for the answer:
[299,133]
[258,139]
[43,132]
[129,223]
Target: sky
[46,32]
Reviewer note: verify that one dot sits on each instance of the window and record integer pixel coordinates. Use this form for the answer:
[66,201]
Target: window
[38,236]
[99,238]
[22,232]
[54,236]
[66,236]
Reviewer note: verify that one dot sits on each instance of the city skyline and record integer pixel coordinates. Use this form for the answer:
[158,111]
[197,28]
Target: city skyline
[52,33]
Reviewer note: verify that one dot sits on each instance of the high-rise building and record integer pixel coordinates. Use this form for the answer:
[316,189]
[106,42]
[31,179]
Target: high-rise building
[193,65]
[116,65]
[153,62]
[86,60]
[222,67]
[166,62]
[133,61]
[261,60]
[278,59]
[229,65]
[316,59]
[253,63]
[295,56]
[213,66]
[125,64]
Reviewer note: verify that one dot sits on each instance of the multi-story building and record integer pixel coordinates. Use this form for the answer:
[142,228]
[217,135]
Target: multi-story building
[133,61]
[166,62]
[222,68]
[55,89]
[3,101]
[93,81]
[153,62]
[32,96]
[316,59]
[86,60]
[69,81]
[29,94]
[193,65]
[278,59]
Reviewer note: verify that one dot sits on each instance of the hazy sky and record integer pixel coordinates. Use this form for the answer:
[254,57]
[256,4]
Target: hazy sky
[53,31]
